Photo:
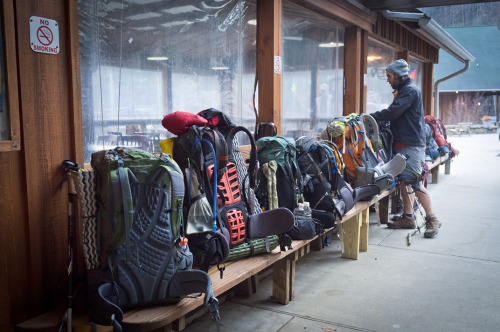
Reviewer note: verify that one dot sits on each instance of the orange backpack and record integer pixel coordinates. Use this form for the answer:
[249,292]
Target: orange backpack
[348,133]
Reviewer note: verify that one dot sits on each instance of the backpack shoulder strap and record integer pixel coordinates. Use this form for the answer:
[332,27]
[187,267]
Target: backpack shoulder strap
[253,151]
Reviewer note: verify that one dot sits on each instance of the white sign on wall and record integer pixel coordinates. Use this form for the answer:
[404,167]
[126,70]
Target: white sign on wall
[44,35]
[277,64]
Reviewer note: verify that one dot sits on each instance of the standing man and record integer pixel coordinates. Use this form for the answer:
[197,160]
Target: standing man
[406,116]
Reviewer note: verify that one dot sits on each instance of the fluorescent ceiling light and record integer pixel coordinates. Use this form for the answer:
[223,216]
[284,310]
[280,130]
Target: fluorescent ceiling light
[157,58]
[373,57]
[220,68]
[331,44]
[293,38]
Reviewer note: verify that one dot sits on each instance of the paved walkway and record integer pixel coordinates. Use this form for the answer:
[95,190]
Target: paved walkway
[450,283]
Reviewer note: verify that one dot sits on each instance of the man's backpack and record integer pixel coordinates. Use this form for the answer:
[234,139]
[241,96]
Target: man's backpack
[140,227]
[283,152]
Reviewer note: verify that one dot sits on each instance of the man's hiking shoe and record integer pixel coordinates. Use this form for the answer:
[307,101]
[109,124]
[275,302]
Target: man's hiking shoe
[400,211]
[432,226]
[404,222]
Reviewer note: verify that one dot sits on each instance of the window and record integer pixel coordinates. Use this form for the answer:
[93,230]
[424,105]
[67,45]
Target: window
[142,60]
[9,107]
[417,72]
[313,71]
[379,92]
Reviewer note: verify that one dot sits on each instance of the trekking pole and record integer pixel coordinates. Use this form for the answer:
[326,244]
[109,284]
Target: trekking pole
[69,166]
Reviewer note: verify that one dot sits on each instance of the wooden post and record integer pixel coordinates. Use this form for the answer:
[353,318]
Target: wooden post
[268,58]
[352,70]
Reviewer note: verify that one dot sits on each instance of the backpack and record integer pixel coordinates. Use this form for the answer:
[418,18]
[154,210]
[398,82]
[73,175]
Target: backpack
[431,147]
[362,164]
[348,133]
[321,167]
[282,151]
[208,153]
[384,142]
[260,227]
[439,135]
[141,258]
[201,153]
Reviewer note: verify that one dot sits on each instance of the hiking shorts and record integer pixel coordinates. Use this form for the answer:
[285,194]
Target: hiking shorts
[416,157]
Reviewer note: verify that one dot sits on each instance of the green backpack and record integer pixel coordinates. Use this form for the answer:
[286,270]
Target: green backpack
[141,260]
[288,177]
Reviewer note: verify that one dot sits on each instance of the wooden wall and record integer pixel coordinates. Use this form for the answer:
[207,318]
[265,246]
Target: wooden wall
[33,204]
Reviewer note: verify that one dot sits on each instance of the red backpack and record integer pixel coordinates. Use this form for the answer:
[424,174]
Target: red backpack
[439,133]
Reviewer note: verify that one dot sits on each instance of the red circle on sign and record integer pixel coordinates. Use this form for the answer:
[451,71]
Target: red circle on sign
[44,35]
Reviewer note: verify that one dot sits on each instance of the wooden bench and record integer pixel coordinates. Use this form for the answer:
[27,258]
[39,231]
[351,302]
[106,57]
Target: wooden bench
[353,230]
[434,166]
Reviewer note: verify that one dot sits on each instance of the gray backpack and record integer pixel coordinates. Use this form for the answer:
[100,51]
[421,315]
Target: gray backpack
[140,259]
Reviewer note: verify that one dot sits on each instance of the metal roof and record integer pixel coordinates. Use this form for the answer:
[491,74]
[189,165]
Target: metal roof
[484,73]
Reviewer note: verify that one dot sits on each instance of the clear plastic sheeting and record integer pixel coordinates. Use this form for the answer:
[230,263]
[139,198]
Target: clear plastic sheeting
[313,71]
[379,92]
[143,59]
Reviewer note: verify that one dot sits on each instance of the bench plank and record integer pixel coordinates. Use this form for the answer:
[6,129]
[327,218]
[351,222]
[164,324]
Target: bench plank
[152,318]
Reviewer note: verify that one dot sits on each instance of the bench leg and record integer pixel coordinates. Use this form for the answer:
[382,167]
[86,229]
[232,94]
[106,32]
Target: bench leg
[284,280]
[351,230]
[435,173]
[363,236]
[447,166]
[383,209]
[178,324]
[248,287]
[396,194]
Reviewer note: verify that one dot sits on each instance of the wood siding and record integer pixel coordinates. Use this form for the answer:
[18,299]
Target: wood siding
[34,200]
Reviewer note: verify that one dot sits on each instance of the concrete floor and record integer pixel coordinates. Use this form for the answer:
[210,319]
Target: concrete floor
[449,283]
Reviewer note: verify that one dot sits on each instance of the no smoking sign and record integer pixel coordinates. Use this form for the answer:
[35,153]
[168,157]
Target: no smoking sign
[44,35]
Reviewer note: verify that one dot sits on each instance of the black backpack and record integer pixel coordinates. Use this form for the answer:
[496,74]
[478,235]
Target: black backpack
[320,171]
[133,249]
[206,154]
[201,153]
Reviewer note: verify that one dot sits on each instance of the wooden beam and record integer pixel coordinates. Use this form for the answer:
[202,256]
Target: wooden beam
[352,70]
[268,49]
[364,71]
[427,91]
[346,13]
[405,55]
[75,100]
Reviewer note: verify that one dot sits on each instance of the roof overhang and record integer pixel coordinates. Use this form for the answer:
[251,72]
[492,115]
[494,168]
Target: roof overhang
[409,4]
[432,31]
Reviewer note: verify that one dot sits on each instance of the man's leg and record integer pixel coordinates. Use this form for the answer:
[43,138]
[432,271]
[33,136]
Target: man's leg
[432,223]
[407,220]
[424,199]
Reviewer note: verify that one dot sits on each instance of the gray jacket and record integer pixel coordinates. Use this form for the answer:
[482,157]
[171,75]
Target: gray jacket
[406,115]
